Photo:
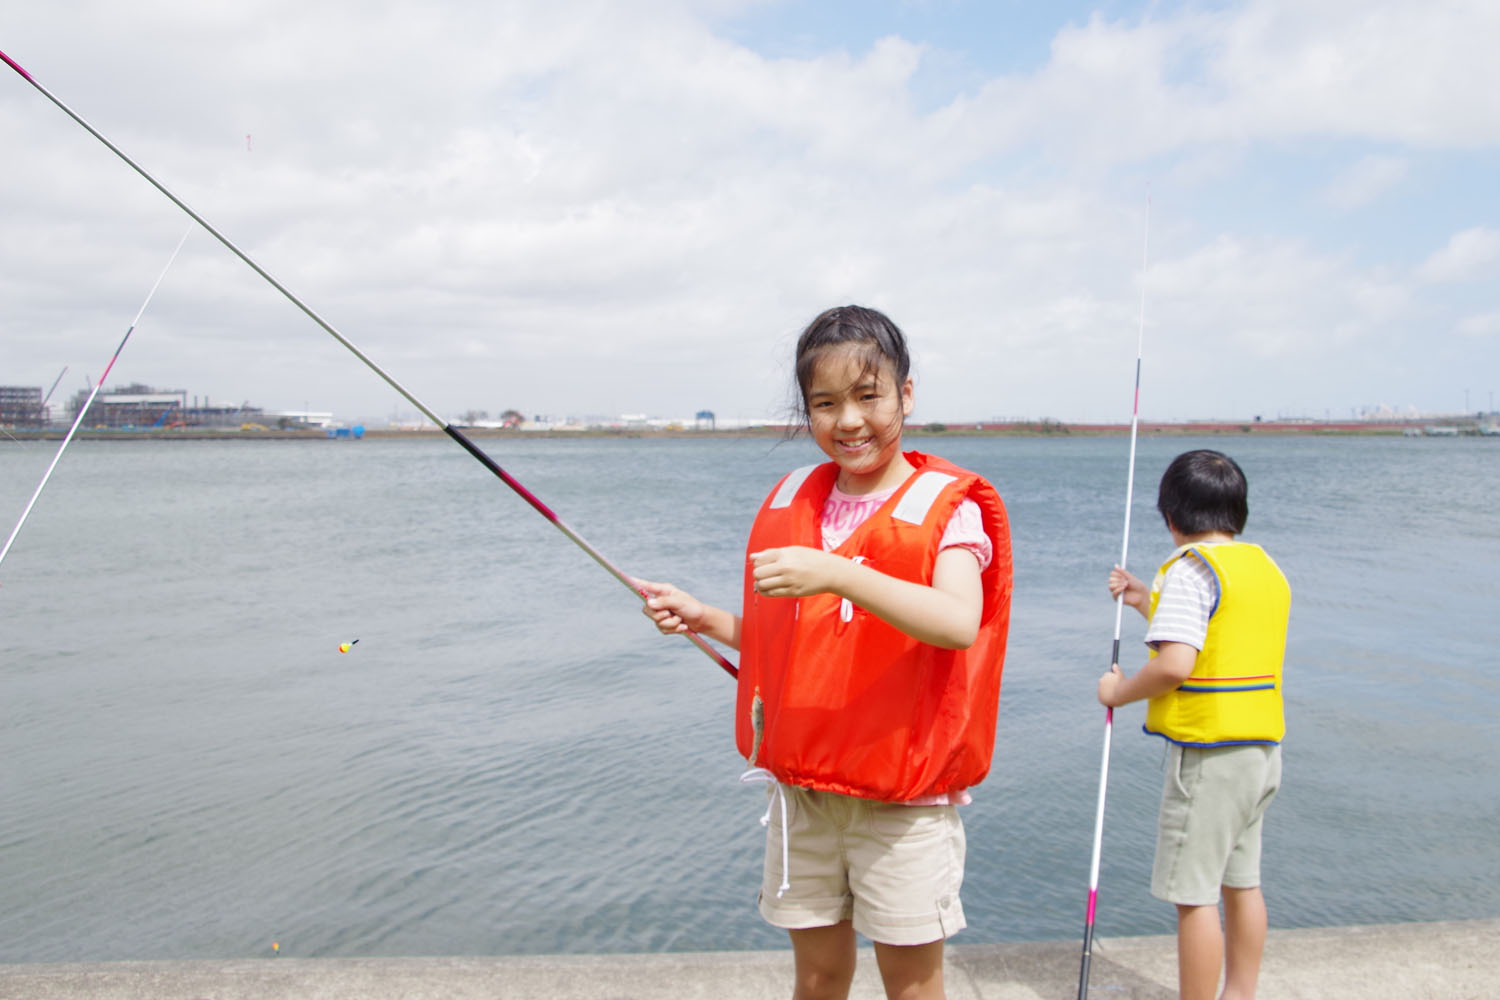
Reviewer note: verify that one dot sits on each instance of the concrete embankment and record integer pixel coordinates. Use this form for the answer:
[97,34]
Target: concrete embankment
[1433,961]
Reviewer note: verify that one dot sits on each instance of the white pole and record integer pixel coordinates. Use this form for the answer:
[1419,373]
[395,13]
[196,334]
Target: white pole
[1109,713]
[86,403]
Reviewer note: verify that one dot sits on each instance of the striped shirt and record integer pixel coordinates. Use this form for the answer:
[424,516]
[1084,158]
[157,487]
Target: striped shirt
[1188,594]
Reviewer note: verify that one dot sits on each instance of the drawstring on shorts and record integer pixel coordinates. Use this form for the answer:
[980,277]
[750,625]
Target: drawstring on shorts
[759,775]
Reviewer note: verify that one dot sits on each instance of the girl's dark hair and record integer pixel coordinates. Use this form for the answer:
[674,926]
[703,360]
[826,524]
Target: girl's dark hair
[1203,491]
[879,339]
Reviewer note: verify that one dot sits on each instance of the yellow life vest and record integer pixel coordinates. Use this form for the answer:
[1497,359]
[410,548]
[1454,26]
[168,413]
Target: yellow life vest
[1234,693]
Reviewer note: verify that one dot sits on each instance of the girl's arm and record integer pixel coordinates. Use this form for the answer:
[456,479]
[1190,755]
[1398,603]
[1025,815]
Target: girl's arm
[675,611]
[1172,664]
[946,614]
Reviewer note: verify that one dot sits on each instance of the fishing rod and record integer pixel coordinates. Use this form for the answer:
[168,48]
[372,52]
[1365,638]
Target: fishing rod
[447,428]
[1114,656]
[43,405]
[57,380]
[84,409]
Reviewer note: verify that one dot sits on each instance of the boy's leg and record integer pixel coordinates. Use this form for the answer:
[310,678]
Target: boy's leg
[824,961]
[1245,941]
[1208,842]
[1244,906]
[1200,952]
[911,972]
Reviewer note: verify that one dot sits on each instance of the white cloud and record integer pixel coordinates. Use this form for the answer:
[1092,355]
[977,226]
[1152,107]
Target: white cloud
[574,206]
[1480,325]
[1384,70]
[1125,90]
[1470,255]
[1365,181]
[1235,302]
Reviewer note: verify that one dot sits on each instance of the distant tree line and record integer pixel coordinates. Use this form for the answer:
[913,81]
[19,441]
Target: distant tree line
[508,418]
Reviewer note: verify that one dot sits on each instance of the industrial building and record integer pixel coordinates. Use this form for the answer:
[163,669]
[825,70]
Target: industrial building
[138,406]
[134,407]
[21,406]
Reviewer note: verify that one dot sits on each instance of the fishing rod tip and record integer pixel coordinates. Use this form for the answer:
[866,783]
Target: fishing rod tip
[17,67]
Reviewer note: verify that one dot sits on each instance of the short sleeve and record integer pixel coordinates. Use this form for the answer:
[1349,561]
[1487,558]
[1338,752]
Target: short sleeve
[966,530]
[1188,594]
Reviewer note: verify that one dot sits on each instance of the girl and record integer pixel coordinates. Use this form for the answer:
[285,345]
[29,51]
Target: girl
[877,598]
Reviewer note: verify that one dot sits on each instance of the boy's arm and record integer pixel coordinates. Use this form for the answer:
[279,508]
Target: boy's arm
[1172,664]
[1137,594]
[945,614]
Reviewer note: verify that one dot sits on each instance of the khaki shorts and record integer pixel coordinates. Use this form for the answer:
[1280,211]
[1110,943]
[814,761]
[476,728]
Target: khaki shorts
[893,870]
[1208,831]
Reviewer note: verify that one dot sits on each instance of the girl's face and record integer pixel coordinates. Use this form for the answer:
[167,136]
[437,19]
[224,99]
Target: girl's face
[855,415]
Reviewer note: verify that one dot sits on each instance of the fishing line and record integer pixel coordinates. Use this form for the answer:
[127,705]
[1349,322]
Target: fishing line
[453,432]
[84,409]
[1114,656]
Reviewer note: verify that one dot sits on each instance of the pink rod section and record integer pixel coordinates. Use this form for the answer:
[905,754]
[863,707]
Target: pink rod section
[17,67]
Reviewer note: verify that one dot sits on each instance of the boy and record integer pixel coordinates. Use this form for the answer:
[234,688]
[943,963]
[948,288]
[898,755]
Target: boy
[1218,613]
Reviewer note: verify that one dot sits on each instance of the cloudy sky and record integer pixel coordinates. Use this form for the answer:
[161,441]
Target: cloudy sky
[575,207]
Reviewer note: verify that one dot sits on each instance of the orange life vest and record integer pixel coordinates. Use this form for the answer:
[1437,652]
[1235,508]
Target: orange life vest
[833,698]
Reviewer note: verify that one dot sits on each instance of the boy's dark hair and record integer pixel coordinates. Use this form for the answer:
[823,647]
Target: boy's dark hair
[1203,491]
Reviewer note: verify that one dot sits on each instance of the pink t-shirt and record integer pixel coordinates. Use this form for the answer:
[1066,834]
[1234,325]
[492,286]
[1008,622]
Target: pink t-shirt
[845,512]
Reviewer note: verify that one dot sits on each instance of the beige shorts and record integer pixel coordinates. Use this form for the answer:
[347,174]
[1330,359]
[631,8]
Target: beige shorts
[894,870]
[1208,832]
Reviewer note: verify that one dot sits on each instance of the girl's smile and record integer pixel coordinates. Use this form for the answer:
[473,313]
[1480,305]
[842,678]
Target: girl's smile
[855,413]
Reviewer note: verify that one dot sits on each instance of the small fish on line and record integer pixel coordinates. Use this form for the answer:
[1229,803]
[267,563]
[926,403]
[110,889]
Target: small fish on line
[344,646]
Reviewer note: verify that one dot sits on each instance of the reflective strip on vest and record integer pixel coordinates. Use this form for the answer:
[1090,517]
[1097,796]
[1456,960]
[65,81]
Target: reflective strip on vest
[918,500]
[790,485]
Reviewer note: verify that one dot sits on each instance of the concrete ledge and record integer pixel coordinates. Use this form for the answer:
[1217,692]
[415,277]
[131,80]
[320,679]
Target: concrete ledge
[1435,961]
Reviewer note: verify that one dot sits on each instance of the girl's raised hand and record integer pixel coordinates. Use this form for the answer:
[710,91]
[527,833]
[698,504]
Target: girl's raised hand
[795,571]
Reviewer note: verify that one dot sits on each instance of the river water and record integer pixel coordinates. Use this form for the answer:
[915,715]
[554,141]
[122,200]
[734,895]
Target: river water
[511,760]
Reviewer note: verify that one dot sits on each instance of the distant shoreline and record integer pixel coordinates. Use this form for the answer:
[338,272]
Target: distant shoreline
[1048,428]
